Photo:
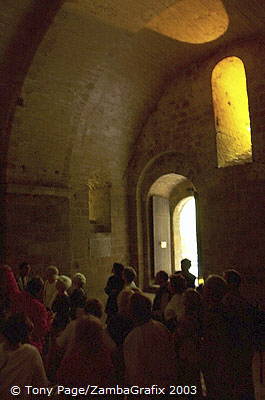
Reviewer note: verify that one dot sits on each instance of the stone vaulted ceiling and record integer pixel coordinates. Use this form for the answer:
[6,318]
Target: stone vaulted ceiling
[98,73]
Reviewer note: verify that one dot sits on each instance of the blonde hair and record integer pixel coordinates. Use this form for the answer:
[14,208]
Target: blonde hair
[65,280]
[53,269]
[80,278]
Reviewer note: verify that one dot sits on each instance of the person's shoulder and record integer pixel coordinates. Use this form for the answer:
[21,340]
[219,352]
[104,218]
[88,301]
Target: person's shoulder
[30,350]
[191,276]
[29,347]
[158,326]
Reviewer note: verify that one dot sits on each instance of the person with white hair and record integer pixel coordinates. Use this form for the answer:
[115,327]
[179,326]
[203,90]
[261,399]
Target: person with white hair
[61,305]
[78,295]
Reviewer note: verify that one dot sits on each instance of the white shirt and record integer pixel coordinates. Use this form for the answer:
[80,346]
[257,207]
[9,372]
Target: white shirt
[49,293]
[20,367]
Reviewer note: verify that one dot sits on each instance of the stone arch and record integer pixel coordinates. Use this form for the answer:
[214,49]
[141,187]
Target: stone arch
[170,162]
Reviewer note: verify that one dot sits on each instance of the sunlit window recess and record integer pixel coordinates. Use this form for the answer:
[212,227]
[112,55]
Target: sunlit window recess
[231,112]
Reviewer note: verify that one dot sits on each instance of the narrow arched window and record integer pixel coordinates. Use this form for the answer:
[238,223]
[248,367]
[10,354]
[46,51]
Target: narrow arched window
[232,122]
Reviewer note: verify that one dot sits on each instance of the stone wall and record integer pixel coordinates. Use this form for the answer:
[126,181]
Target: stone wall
[37,228]
[179,137]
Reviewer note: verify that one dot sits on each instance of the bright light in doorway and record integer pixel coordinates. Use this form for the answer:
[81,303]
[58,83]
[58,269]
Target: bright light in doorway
[188,234]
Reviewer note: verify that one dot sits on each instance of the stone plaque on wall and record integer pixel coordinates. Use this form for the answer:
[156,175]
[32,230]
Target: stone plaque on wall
[100,247]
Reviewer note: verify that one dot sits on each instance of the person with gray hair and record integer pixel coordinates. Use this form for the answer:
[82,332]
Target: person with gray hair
[61,304]
[78,296]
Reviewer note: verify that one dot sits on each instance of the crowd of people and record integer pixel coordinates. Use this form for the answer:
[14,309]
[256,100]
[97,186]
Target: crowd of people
[188,342]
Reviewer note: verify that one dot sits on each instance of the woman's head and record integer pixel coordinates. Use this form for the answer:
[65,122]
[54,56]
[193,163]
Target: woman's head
[117,269]
[52,273]
[63,283]
[129,274]
[233,279]
[79,280]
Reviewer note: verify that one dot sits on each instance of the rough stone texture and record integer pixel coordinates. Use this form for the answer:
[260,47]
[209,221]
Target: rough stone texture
[95,80]
[38,231]
[179,137]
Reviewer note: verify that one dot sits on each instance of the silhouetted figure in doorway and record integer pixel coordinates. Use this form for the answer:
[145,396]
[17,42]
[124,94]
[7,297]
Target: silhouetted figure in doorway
[190,278]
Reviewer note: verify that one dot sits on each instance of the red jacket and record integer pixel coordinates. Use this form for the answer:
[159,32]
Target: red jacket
[37,313]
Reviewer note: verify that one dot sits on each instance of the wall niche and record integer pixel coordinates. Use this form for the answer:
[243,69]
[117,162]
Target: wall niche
[99,205]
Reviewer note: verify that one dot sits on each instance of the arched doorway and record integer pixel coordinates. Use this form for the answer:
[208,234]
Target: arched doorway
[172,224]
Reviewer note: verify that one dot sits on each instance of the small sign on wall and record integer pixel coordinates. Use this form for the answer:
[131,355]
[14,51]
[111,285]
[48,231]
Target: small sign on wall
[163,244]
[100,247]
